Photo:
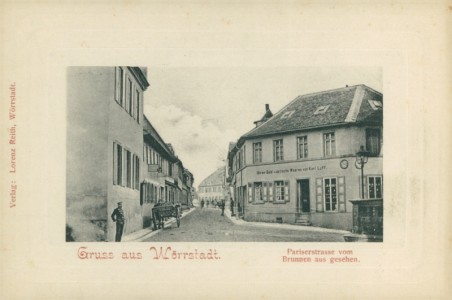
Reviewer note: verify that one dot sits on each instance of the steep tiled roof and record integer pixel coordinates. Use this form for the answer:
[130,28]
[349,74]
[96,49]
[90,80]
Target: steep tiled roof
[216,178]
[301,112]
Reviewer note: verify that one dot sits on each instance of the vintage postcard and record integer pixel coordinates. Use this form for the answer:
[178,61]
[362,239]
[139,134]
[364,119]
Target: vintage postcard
[225,150]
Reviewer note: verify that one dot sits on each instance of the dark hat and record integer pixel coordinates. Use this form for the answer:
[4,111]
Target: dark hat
[119,202]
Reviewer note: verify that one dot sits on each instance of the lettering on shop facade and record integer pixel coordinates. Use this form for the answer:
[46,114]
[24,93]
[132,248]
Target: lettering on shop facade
[292,170]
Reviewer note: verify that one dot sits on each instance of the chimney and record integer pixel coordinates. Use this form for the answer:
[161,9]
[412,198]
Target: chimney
[267,107]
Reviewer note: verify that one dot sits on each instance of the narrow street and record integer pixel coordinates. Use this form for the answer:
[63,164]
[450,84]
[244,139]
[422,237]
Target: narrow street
[207,225]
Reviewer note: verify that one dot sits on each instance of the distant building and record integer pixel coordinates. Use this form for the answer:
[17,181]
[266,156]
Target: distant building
[298,166]
[114,154]
[212,188]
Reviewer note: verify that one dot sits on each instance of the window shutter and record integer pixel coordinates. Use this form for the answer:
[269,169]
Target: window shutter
[132,171]
[264,187]
[286,191]
[270,192]
[250,192]
[341,194]
[319,194]
[115,164]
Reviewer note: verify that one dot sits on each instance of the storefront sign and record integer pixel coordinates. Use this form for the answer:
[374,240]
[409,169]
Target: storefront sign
[292,170]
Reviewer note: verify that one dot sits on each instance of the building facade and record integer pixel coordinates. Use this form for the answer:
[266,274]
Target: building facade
[212,188]
[298,166]
[164,177]
[107,134]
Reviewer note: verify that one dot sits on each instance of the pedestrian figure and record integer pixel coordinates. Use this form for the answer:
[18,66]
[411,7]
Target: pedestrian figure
[118,217]
[222,204]
[202,203]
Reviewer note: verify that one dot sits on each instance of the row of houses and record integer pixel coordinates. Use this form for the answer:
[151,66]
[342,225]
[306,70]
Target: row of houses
[300,165]
[114,154]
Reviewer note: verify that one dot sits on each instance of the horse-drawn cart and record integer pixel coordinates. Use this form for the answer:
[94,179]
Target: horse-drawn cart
[165,210]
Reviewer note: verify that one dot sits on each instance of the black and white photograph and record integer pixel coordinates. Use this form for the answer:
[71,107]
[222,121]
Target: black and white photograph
[164,154]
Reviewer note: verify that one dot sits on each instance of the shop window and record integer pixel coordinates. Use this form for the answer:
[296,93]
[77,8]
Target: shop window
[302,147]
[329,144]
[375,187]
[278,150]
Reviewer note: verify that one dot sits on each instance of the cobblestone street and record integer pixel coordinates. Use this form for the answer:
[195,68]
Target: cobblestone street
[207,225]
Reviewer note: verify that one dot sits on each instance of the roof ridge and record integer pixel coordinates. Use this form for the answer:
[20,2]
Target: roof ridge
[355,107]
[333,90]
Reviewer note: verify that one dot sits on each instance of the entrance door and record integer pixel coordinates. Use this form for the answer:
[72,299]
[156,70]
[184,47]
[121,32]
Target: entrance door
[303,201]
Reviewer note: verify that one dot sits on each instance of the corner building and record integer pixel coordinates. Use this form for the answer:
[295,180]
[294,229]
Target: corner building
[104,146]
[115,154]
[298,166]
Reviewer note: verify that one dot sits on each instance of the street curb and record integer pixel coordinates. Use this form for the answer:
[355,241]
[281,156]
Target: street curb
[283,226]
[140,235]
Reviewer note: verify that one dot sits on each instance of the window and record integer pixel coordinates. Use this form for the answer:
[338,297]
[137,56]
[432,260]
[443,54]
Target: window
[128,169]
[258,192]
[376,105]
[241,158]
[278,153]
[137,173]
[375,187]
[329,144]
[257,152]
[330,194]
[302,147]
[119,87]
[127,93]
[321,110]
[287,114]
[281,191]
[117,164]
[373,141]
[137,104]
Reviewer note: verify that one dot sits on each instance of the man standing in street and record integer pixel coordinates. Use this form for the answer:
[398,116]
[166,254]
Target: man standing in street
[222,204]
[118,217]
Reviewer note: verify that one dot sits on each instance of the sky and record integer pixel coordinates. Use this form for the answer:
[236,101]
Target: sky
[199,110]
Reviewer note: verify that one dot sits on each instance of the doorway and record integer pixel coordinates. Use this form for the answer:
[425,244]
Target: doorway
[303,199]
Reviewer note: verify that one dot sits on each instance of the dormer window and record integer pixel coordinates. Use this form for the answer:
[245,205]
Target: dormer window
[375,104]
[287,114]
[321,110]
